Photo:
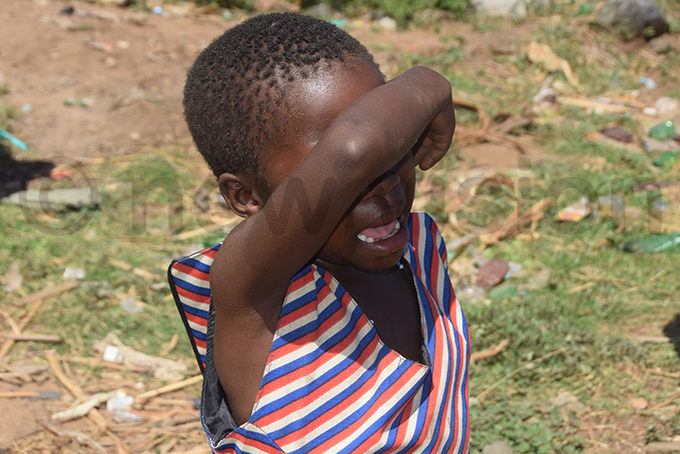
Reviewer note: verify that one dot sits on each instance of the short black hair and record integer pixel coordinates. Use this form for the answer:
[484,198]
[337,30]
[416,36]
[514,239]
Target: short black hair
[235,88]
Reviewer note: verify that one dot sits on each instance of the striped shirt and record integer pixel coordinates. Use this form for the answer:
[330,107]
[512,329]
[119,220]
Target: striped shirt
[330,384]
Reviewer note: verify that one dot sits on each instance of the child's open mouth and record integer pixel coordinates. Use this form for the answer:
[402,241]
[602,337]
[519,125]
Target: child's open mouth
[382,232]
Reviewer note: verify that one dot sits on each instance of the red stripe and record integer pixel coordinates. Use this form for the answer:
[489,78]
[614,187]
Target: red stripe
[195,297]
[197,320]
[193,272]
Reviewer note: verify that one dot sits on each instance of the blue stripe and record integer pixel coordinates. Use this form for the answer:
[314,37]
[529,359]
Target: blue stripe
[185,285]
[195,311]
[197,264]
[202,335]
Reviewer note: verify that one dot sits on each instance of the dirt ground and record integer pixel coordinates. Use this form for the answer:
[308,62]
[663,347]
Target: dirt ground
[130,68]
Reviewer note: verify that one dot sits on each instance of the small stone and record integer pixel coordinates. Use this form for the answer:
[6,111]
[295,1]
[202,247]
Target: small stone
[492,273]
[660,46]
[569,402]
[110,62]
[497,447]
[638,403]
[632,18]
[665,105]
[387,23]
[135,136]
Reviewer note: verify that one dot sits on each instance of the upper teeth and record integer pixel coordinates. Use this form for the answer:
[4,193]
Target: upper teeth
[368,239]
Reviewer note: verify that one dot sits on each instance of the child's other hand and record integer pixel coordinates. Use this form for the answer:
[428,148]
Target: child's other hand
[435,141]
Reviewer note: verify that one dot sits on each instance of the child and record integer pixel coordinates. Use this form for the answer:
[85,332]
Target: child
[328,324]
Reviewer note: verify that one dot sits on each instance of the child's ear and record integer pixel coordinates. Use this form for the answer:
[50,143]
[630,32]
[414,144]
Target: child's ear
[240,193]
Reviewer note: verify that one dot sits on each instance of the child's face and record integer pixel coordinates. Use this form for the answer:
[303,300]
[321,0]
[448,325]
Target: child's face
[372,234]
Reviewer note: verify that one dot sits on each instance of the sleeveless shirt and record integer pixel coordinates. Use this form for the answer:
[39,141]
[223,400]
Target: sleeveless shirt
[330,384]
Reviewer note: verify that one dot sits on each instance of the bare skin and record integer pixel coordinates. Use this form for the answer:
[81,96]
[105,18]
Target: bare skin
[351,151]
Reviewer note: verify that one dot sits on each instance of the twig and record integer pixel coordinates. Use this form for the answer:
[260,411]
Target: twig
[31,337]
[42,294]
[7,345]
[483,394]
[169,388]
[171,345]
[18,394]
[74,389]
[489,352]
[80,438]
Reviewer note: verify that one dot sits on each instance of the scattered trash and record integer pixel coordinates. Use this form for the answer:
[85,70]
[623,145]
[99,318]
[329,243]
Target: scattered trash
[67,11]
[498,294]
[120,406]
[659,206]
[585,9]
[74,273]
[650,186]
[574,212]
[492,273]
[55,199]
[618,133]
[163,368]
[112,354]
[13,140]
[81,407]
[610,203]
[654,243]
[546,98]
[544,55]
[647,82]
[46,394]
[662,131]
[104,46]
[13,278]
[131,305]
[667,157]
[338,22]
[26,108]
[157,10]
[470,295]
[514,270]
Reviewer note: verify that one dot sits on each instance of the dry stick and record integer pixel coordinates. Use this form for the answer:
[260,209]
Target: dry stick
[483,394]
[18,394]
[168,388]
[7,345]
[31,337]
[45,293]
[489,352]
[75,390]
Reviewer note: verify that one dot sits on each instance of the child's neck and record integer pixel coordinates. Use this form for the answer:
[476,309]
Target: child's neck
[389,300]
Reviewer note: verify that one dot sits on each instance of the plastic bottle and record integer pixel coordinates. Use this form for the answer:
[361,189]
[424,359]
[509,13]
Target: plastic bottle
[654,243]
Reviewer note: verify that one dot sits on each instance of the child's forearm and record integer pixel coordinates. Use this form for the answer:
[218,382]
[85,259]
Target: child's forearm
[378,129]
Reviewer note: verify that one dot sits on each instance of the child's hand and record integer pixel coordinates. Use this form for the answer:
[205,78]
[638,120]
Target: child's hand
[435,141]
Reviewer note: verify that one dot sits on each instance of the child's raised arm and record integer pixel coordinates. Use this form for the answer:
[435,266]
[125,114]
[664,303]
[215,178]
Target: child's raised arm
[258,259]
